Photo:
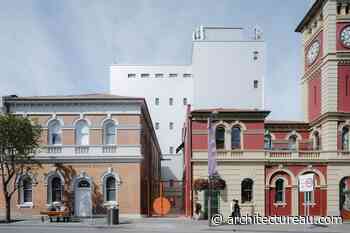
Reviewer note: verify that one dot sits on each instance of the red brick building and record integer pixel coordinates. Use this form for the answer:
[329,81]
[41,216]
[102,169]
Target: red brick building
[261,160]
[97,150]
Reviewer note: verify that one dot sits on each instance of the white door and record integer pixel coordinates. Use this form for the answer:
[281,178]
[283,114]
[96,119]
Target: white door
[83,205]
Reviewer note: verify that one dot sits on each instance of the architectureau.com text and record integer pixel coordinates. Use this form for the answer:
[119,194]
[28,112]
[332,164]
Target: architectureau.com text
[219,219]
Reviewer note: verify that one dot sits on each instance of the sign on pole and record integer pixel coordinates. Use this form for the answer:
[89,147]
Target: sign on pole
[306,183]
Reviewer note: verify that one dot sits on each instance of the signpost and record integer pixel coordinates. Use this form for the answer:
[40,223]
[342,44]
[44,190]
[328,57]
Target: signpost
[306,185]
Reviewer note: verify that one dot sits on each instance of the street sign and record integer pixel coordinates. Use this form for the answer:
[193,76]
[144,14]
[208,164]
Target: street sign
[306,183]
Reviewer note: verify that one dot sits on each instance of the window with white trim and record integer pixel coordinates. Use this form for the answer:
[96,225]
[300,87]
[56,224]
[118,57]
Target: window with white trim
[109,136]
[25,190]
[345,139]
[55,190]
[157,125]
[292,142]
[279,190]
[55,133]
[316,141]
[235,138]
[247,190]
[110,189]
[82,133]
[171,101]
[220,137]
[267,142]
[156,101]
[171,125]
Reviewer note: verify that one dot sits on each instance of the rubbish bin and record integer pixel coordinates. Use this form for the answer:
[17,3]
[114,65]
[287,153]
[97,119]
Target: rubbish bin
[113,215]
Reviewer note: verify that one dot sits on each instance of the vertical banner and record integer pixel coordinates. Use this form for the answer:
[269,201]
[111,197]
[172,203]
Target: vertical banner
[211,150]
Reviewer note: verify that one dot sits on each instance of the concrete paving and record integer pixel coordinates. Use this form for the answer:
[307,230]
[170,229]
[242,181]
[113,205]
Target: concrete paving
[154,225]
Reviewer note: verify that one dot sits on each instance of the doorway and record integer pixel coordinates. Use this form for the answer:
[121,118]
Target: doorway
[83,202]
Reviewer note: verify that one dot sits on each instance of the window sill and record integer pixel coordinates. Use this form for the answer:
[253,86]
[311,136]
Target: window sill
[26,205]
[312,204]
[280,204]
[110,203]
[247,204]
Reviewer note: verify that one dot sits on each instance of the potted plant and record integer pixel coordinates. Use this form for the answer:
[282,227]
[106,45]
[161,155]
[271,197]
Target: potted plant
[200,184]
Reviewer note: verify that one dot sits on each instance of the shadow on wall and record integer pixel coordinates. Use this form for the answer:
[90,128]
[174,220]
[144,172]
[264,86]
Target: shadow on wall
[69,173]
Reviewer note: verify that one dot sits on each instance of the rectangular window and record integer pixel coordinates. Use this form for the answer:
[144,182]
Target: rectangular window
[131,75]
[347,85]
[144,75]
[171,101]
[157,125]
[256,83]
[159,75]
[156,101]
[171,150]
[185,101]
[171,125]
[172,75]
[187,75]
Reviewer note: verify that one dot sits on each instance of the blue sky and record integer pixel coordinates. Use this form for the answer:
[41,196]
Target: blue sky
[53,47]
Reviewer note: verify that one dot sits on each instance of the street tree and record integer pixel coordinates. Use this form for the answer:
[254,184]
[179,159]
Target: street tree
[19,141]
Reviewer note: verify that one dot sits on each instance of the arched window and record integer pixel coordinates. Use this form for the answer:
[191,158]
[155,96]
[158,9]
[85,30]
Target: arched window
[268,142]
[279,195]
[109,133]
[26,190]
[292,142]
[220,137]
[110,189]
[247,190]
[55,133]
[345,139]
[235,138]
[316,141]
[56,190]
[82,133]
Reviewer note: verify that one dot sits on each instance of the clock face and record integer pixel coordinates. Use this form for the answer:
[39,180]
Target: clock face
[313,52]
[345,36]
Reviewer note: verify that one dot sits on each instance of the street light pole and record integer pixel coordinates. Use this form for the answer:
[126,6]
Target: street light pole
[209,200]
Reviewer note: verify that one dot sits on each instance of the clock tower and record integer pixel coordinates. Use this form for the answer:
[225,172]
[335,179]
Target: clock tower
[325,81]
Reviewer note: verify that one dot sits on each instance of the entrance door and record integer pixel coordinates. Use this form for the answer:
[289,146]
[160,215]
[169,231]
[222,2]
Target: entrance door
[215,202]
[83,205]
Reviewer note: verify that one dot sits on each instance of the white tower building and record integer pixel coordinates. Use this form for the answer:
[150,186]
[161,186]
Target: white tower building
[227,70]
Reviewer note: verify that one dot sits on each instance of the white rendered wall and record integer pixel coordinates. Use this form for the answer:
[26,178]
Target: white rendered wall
[165,87]
[224,74]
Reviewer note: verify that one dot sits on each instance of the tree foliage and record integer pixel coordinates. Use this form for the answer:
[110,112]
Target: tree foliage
[19,141]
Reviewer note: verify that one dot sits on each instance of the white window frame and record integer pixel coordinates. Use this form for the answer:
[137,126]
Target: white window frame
[106,132]
[22,203]
[51,130]
[80,141]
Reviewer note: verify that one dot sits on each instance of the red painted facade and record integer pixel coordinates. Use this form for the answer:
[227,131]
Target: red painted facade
[253,138]
[314,96]
[340,27]
[319,205]
[344,88]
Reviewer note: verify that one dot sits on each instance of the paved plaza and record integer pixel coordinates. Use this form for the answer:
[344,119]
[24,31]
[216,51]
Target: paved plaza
[159,225]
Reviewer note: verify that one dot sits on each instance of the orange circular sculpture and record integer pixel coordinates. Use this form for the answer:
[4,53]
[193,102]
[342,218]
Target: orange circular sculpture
[161,206]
